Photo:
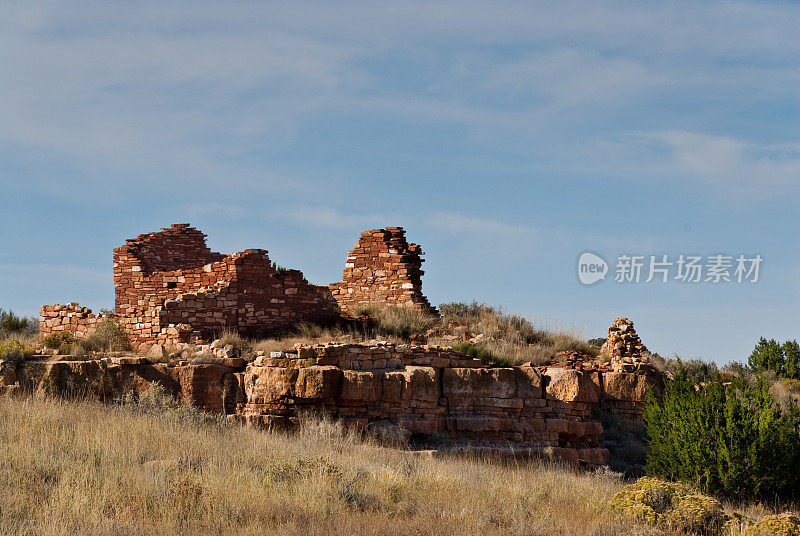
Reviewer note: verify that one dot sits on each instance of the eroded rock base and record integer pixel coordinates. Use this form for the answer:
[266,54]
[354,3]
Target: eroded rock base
[405,391]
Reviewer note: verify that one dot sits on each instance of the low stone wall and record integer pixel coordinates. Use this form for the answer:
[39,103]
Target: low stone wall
[422,391]
[80,321]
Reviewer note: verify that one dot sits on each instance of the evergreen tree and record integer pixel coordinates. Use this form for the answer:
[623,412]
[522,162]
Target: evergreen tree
[767,355]
[791,354]
[731,440]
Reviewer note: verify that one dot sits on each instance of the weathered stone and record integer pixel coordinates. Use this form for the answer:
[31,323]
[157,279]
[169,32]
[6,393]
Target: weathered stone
[623,347]
[360,385]
[157,353]
[266,385]
[528,382]
[382,269]
[571,385]
[201,385]
[393,385]
[631,386]
[494,407]
[421,383]
[317,382]
[485,382]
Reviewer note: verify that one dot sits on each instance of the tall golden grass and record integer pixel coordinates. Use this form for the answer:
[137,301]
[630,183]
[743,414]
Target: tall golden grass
[84,468]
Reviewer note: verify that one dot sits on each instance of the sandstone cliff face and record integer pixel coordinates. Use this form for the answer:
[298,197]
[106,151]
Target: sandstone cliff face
[420,391]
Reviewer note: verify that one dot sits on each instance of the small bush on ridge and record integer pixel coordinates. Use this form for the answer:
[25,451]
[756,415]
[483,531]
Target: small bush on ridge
[59,340]
[397,321]
[477,352]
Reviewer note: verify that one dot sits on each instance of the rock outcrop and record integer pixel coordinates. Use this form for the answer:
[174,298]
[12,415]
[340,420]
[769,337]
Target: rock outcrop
[415,391]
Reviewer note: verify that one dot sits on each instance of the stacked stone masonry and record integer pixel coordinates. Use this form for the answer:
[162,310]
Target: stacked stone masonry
[80,321]
[623,347]
[171,288]
[416,390]
[383,268]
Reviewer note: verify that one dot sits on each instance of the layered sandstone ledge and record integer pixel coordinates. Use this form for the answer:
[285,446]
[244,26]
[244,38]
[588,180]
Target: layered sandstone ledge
[419,390]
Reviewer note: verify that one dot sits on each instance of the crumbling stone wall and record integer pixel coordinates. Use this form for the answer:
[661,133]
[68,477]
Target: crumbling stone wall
[623,347]
[170,287]
[383,268]
[429,390]
[149,268]
[80,321]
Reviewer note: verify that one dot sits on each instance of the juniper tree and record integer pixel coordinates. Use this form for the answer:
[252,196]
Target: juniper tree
[733,440]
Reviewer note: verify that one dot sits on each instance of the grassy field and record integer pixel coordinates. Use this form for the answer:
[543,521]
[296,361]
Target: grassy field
[85,468]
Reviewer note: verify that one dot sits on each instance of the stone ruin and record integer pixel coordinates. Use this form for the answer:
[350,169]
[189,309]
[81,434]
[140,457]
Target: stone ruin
[382,268]
[623,347]
[171,288]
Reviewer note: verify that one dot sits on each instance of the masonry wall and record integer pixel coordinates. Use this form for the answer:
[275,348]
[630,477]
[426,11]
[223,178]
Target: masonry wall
[383,268]
[80,321]
[150,267]
[170,287]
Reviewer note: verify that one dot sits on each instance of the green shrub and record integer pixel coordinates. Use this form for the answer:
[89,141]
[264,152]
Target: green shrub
[669,504]
[57,339]
[13,350]
[782,359]
[478,352]
[732,440]
[10,322]
[108,336]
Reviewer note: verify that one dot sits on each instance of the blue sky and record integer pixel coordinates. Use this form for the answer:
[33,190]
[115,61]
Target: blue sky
[506,137]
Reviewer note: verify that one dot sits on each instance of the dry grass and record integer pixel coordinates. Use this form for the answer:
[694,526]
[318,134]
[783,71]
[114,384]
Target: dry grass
[84,468]
[508,338]
[511,338]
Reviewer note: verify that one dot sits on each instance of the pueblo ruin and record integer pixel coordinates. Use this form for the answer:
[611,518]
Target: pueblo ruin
[172,291]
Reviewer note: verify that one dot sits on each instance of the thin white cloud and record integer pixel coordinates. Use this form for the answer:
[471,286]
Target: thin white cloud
[329,217]
[216,209]
[472,226]
[202,94]
[730,161]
